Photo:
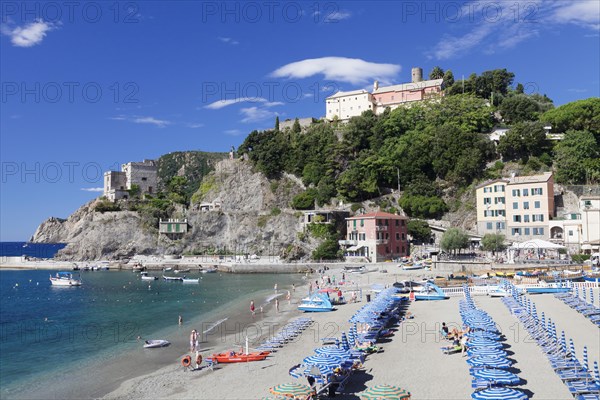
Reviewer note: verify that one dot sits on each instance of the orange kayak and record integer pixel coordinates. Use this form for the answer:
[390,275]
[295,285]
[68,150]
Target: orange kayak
[233,357]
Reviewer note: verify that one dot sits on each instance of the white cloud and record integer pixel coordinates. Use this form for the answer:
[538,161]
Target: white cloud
[256,114]
[228,40]
[233,132]
[28,35]
[194,125]
[152,121]
[585,13]
[352,70]
[450,46]
[136,119]
[332,16]
[217,105]
[97,189]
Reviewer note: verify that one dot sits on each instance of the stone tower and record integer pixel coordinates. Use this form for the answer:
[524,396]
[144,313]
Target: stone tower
[417,74]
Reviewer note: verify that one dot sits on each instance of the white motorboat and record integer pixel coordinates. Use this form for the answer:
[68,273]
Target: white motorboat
[191,280]
[355,269]
[177,271]
[64,279]
[412,266]
[146,277]
[152,344]
[206,270]
[172,278]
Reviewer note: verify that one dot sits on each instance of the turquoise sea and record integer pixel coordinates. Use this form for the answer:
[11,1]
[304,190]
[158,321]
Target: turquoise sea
[48,331]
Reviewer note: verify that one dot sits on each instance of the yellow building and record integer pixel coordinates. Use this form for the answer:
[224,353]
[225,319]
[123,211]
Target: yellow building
[520,207]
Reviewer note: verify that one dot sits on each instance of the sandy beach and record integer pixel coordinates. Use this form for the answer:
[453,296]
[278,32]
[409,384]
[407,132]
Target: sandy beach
[412,359]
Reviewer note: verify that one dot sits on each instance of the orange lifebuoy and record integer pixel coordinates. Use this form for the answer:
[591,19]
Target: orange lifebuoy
[186,361]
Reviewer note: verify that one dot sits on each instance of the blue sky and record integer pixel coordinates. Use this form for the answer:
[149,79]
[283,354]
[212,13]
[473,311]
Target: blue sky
[87,86]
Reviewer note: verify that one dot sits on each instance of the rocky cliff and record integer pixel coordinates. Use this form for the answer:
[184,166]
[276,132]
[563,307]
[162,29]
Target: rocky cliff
[254,217]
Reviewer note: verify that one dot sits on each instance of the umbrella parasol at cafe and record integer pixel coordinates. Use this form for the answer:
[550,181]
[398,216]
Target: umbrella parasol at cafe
[490,361]
[500,393]
[496,375]
[291,390]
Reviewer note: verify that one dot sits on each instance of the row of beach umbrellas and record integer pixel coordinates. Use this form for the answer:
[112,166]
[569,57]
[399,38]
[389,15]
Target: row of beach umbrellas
[320,365]
[488,361]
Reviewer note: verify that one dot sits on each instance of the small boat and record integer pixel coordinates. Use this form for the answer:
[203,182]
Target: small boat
[177,271]
[429,291]
[498,292]
[138,268]
[317,302]
[355,269]
[172,278]
[146,277]
[64,279]
[234,357]
[167,269]
[207,270]
[412,266]
[152,344]
[548,289]
[190,280]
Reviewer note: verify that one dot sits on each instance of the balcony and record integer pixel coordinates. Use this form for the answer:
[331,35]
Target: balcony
[380,228]
[381,241]
[348,242]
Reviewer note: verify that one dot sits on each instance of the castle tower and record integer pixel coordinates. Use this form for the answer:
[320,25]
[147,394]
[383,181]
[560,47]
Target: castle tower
[375,85]
[417,74]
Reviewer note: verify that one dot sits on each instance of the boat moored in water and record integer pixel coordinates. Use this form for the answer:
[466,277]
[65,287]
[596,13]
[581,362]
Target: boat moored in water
[190,280]
[146,277]
[153,344]
[64,279]
[172,278]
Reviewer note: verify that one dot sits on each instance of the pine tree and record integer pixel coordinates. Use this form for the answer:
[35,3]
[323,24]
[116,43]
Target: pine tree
[277,123]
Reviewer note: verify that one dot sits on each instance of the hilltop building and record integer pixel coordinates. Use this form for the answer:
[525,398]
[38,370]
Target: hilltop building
[376,237]
[345,105]
[118,183]
[520,207]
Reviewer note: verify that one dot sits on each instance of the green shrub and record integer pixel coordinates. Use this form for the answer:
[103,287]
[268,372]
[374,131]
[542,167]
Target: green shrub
[275,211]
[262,221]
[321,231]
[328,250]
[304,200]
[106,206]
[423,206]
[356,206]
[580,258]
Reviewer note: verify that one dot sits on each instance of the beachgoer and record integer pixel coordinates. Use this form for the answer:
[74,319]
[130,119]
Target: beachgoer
[310,288]
[193,339]
[261,309]
[293,287]
[445,329]
[252,307]
[288,297]
[275,288]
[277,305]
[343,277]
[463,345]
[198,360]
[180,320]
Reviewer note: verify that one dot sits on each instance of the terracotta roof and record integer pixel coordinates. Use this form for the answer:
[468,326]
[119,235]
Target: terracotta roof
[378,214]
[492,181]
[530,178]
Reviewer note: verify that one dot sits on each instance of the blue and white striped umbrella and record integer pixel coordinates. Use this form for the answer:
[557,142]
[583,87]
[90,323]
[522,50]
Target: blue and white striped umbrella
[482,342]
[486,351]
[572,348]
[591,296]
[563,341]
[323,360]
[484,335]
[496,375]
[345,344]
[585,359]
[489,361]
[584,295]
[499,393]
[597,372]
[334,351]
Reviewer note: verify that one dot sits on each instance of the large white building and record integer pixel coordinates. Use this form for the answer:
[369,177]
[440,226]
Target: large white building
[520,207]
[142,174]
[345,105]
[590,223]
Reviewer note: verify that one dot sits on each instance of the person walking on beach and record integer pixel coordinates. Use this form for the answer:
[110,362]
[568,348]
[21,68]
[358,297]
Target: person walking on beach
[294,287]
[288,297]
[275,288]
[310,288]
[193,340]
[180,320]
[252,307]
[277,305]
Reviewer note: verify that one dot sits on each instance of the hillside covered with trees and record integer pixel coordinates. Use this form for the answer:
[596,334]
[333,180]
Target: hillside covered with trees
[434,148]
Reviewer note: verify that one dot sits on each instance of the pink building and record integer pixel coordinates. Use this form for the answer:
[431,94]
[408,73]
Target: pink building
[376,236]
[393,96]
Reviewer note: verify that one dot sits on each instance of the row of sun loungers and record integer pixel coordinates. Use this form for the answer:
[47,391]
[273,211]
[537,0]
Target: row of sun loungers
[288,332]
[575,374]
[579,304]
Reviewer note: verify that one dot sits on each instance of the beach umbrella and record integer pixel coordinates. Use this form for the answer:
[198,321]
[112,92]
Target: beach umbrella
[496,375]
[387,392]
[323,360]
[333,351]
[345,344]
[572,347]
[482,342]
[490,361]
[597,372]
[291,390]
[486,351]
[482,334]
[318,370]
[543,319]
[563,341]
[499,393]
[585,358]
